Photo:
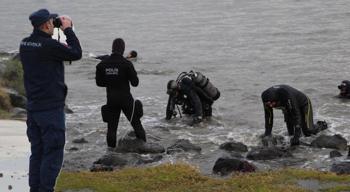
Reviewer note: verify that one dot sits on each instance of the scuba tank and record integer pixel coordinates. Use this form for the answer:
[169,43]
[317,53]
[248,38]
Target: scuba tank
[203,82]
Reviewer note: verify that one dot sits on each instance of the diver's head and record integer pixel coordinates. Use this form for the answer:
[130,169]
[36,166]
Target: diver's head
[132,54]
[270,97]
[118,46]
[344,88]
[172,87]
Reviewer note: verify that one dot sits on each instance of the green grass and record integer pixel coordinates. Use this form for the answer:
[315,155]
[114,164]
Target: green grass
[182,178]
[5,104]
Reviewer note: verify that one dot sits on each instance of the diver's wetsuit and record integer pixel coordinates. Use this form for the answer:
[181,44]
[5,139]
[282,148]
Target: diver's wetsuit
[187,97]
[115,73]
[344,88]
[296,107]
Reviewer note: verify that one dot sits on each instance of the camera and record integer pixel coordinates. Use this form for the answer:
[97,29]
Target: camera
[57,22]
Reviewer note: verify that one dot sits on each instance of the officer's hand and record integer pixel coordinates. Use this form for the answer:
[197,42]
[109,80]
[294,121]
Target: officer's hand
[66,22]
[294,141]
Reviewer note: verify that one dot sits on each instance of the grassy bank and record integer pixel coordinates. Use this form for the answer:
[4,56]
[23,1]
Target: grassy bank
[11,77]
[186,178]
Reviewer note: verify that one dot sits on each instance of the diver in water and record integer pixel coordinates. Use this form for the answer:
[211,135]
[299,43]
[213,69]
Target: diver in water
[344,89]
[116,73]
[132,56]
[194,93]
[297,110]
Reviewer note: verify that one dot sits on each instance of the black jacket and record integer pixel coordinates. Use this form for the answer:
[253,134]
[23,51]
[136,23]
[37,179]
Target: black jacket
[115,73]
[289,100]
[42,59]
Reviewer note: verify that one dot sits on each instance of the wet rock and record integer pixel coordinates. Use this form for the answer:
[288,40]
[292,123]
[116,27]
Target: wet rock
[225,166]
[80,140]
[182,145]
[18,113]
[124,159]
[73,149]
[333,142]
[67,110]
[335,153]
[133,145]
[17,100]
[234,146]
[268,153]
[273,140]
[341,167]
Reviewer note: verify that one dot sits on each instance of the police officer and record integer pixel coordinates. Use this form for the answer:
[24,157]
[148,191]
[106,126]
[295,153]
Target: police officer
[42,59]
[116,73]
[297,110]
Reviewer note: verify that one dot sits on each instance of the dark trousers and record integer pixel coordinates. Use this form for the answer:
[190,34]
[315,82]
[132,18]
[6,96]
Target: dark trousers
[307,121]
[46,134]
[113,109]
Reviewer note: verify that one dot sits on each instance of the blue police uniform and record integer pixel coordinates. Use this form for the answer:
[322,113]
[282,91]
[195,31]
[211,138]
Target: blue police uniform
[42,60]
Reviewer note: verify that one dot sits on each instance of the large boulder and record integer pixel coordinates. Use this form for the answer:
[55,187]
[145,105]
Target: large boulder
[234,146]
[341,167]
[134,145]
[183,145]
[333,142]
[268,153]
[225,166]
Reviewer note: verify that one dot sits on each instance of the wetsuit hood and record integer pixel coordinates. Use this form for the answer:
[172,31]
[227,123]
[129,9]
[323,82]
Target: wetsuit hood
[270,95]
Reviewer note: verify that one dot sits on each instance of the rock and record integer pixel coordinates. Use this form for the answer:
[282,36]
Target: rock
[333,142]
[341,167]
[133,145]
[234,146]
[112,159]
[273,140]
[321,125]
[268,153]
[81,140]
[335,153]
[10,187]
[127,159]
[73,149]
[225,166]
[67,110]
[18,113]
[182,145]
[17,100]
[1,175]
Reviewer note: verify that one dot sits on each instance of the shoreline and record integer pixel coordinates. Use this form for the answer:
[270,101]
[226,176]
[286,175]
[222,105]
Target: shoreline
[14,155]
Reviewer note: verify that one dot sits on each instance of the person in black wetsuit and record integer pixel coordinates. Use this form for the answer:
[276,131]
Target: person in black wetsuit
[297,110]
[116,73]
[194,93]
[344,89]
